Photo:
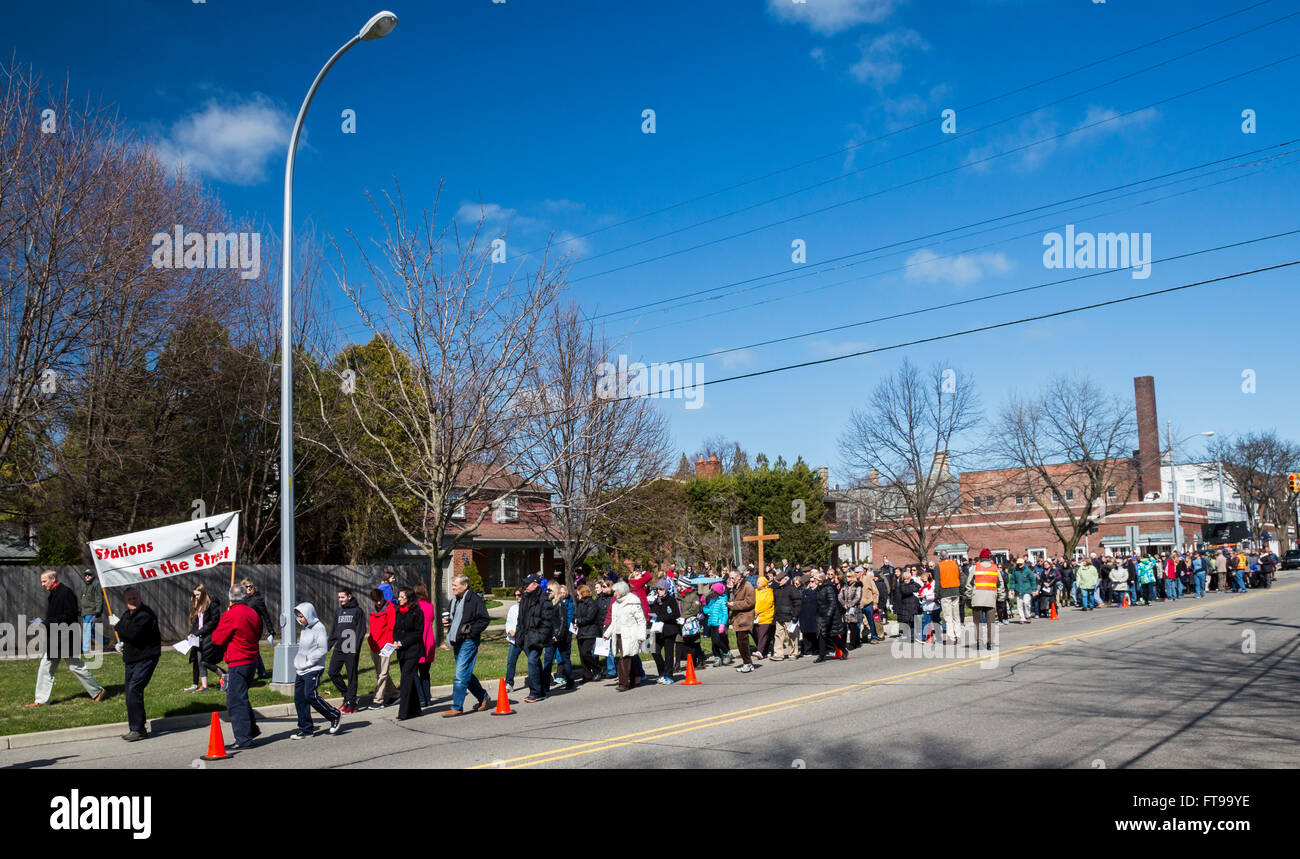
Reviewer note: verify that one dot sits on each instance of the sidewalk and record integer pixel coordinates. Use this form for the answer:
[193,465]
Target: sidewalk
[170,724]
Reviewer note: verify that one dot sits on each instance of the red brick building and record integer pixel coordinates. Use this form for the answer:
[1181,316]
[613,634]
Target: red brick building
[998,510]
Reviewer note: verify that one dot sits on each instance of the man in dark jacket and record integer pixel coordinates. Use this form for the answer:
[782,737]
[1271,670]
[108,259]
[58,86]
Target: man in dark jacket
[535,631]
[786,602]
[62,628]
[140,645]
[467,618]
[239,632]
[350,626]
[92,607]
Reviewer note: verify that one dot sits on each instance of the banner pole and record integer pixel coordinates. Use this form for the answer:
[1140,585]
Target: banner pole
[109,608]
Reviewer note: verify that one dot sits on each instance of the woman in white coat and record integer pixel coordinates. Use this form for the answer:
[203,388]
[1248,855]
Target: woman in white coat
[1119,585]
[625,632]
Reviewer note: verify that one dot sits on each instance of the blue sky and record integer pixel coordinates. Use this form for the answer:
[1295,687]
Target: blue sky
[532,112]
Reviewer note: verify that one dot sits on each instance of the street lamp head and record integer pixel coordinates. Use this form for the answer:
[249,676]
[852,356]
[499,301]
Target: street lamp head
[1208,433]
[378,27]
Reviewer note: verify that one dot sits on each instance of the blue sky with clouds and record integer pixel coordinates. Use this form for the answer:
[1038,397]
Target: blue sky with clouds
[777,122]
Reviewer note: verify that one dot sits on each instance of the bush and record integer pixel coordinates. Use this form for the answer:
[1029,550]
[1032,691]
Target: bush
[504,593]
[475,580]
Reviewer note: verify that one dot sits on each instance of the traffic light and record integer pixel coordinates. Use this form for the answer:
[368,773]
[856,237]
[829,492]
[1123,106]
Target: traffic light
[1293,479]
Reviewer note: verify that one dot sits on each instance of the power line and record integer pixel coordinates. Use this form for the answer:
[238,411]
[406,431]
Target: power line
[939,233]
[993,327]
[852,146]
[995,243]
[930,176]
[944,141]
[977,299]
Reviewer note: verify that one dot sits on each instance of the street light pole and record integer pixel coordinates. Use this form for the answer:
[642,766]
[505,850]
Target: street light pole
[282,671]
[1173,477]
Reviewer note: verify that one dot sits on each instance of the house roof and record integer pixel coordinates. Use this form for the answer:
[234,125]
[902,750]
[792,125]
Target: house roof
[473,473]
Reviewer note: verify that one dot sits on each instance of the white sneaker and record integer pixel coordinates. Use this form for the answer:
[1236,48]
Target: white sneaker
[745,669]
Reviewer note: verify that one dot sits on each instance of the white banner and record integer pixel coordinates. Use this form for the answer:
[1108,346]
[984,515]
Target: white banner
[172,550]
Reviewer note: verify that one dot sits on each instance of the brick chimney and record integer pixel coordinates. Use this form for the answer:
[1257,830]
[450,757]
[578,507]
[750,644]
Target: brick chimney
[824,475]
[708,468]
[941,464]
[873,477]
[1148,426]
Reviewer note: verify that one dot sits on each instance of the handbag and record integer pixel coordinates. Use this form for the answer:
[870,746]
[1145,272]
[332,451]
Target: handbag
[601,648]
[692,626]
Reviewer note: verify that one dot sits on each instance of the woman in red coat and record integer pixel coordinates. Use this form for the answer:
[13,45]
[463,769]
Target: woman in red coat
[430,645]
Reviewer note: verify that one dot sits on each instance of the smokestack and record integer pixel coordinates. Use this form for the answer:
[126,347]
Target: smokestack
[941,464]
[1148,425]
[873,478]
[710,468]
[824,475]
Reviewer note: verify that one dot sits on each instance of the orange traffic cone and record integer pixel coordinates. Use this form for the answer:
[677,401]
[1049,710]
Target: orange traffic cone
[503,700]
[1125,600]
[929,636]
[1054,611]
[216,743]
[691,679]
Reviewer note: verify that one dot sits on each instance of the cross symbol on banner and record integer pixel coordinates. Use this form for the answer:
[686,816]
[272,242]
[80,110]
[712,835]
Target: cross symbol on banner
[760,539]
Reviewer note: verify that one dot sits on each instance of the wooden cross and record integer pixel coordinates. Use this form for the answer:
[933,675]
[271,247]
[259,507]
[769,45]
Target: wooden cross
[759,540]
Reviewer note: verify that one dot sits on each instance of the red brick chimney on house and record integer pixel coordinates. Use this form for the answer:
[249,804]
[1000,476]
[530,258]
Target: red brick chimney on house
[1148,426]
[708,468]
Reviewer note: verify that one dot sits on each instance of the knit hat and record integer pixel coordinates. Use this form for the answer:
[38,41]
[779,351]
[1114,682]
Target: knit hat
[665,584]
[719,589]
[985,554]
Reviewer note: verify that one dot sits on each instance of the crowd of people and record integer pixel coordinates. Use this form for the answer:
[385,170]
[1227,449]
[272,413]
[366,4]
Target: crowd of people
[782,612]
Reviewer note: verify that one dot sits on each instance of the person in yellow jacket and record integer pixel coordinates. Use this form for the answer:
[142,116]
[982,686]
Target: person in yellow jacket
[764,617]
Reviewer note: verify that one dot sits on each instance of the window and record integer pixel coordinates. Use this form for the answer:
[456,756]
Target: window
[1189,485]
[1036,554]
[1080,552]
[507,508]
[1069,495]
[988,500]
[1111,493]
[975,501]
[1020,499]
[457,504]
[1056,499]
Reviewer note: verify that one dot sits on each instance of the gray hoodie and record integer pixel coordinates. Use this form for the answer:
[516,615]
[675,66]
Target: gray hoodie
[312,642]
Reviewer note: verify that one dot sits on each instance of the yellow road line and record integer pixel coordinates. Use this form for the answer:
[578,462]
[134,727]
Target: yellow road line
[665,731]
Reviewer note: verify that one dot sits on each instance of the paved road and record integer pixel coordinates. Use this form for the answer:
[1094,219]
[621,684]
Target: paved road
[1198,683]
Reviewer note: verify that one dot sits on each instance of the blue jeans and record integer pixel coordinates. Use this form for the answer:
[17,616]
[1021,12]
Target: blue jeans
[137,677]
[536,683]
[1239,577]
[512,659]
[1085,597]
[1199,580]
[243,722]
[557,654]
[466,653]
[306,695]
[1169,588]
[610,668]
[87,631]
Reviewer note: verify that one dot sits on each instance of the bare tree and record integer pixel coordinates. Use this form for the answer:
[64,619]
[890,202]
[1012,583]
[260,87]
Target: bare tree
[1067,449]
[1257,464]
[914,429]
[591,451]
[450,415]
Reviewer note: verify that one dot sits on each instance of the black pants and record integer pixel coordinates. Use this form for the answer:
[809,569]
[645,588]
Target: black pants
[855,634]
[342,664]
[408,702]
[665,654]
[138,675]
[196,662]
[691,644]
[591,666]
[809,643]
[721,644]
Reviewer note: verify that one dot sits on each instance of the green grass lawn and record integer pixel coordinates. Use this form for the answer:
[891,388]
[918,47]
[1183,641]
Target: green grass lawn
[165,696]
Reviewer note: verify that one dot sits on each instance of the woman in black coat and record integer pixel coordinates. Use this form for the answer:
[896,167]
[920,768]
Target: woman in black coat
[808,619]
[909,605]
[589,618]
[205,612]
[664,609]
[830,620]
[408,635]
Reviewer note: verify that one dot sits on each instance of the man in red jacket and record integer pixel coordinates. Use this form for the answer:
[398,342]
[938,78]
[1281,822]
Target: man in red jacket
[238,632]
[382,620]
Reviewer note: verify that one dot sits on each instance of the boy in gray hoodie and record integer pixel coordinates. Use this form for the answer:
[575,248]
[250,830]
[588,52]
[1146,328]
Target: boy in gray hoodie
[310,666]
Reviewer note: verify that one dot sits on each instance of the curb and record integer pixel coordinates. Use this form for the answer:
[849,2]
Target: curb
[164,725]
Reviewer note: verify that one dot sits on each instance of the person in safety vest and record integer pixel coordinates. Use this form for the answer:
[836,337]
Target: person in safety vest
[985,587]
[950,597]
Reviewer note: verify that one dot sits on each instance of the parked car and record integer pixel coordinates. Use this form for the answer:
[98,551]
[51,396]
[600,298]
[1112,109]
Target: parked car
[1291,561]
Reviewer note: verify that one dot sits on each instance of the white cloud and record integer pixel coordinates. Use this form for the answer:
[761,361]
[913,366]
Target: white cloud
[489,213]
[925,266]
[880,63]
[1038,127]
[819,56]
[1101,121]
[572,244]
[837,348]
[229,141]
[831,16]
[731,360]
